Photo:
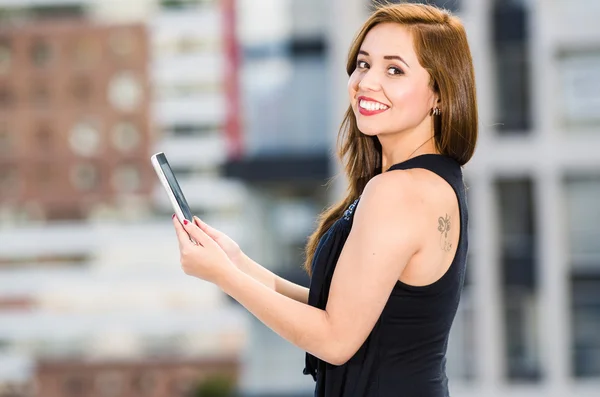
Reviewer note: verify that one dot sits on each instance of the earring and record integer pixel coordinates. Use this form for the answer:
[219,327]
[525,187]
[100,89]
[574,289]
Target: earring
[436,111]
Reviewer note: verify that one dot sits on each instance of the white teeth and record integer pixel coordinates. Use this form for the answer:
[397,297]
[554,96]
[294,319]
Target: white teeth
[372,106]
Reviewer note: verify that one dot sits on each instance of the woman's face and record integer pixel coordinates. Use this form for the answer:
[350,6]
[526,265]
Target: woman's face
[389,90]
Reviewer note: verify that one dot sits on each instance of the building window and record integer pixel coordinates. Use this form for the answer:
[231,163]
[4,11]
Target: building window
[85,139]
[181,4]
[6,140]
[144,383]
[583,209]
[462,354]
[184,387]
[84,177]
[41,53]
[58,11]
[190,45]
[32,210]
[40,96]
[126,137]
[187,89]
[75,386]
[43,139]
[109,384]
[126,179]
[7,96]
[8,180]
[187,45]
[184,130]
[580,87]
[585,297]
[461,345]
[583,233]
[81,90]
[510,33]
[519,288]
[125,92]
[5,56]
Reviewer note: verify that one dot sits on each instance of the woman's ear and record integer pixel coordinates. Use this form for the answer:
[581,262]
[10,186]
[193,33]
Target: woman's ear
[435,101]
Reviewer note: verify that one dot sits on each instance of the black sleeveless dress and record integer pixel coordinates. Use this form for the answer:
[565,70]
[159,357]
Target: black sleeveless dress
[404,355]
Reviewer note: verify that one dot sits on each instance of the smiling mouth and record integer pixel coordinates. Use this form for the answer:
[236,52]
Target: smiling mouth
[372,106]
[369,107]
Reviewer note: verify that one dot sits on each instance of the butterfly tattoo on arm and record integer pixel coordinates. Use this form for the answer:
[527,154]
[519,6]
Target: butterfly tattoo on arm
[444,228]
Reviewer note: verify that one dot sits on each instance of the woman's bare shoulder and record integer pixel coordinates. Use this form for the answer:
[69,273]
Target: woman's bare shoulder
[407,186]
[411,195]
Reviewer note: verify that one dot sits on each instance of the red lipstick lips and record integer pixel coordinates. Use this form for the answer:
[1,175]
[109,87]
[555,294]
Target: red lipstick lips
[370,112]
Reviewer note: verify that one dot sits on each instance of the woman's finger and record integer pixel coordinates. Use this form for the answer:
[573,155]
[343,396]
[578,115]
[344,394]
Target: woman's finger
[196,233]
[212,232]
[182,235]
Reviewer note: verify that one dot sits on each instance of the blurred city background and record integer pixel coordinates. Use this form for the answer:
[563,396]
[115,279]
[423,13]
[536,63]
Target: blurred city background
[245,98]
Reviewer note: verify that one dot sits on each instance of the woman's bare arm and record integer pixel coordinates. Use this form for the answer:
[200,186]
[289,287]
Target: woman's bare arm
[387,231]
[273,281]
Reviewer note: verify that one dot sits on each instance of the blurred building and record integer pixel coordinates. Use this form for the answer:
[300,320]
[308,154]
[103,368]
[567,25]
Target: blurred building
[195,72]
[89,272]
[529,313]
[285,162]
[74,126]
[111,291]
[131,379]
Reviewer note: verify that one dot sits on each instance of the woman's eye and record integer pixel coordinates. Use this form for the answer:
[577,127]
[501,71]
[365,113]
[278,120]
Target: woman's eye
[361,64]
[395,71]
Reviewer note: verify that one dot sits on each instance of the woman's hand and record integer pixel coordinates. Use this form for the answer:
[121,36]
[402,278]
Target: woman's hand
[231,248]
[204,259]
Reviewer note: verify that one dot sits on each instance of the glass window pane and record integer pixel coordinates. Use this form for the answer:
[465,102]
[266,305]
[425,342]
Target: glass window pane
[5,56]
[461,353]
[519,289]
[6,140]
[510,44]
[583,217]
[580,86]
[41,53]
[586,323]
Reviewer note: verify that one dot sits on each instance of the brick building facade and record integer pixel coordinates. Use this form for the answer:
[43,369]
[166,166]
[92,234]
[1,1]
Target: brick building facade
[74,125]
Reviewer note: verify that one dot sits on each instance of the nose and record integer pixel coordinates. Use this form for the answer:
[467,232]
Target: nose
[369,81]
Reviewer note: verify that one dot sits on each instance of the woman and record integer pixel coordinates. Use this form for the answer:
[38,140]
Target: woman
[387,264]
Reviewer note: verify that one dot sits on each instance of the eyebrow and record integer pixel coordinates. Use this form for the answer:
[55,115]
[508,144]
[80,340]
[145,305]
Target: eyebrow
[387,57]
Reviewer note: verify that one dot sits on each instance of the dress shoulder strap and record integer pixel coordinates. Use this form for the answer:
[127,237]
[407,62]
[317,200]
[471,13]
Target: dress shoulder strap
[444,166]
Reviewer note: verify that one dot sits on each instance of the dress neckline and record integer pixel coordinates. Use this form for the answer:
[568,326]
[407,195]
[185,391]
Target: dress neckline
[402,164]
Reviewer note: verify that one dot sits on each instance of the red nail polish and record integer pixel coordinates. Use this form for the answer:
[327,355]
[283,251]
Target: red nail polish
[173,217]
[185,222]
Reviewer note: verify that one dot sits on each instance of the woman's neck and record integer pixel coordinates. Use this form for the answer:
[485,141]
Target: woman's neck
[394,151]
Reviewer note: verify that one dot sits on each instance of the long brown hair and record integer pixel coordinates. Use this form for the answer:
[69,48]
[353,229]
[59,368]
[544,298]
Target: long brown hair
[441,46]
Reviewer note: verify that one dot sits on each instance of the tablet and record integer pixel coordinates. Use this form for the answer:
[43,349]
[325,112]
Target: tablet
[169,182]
